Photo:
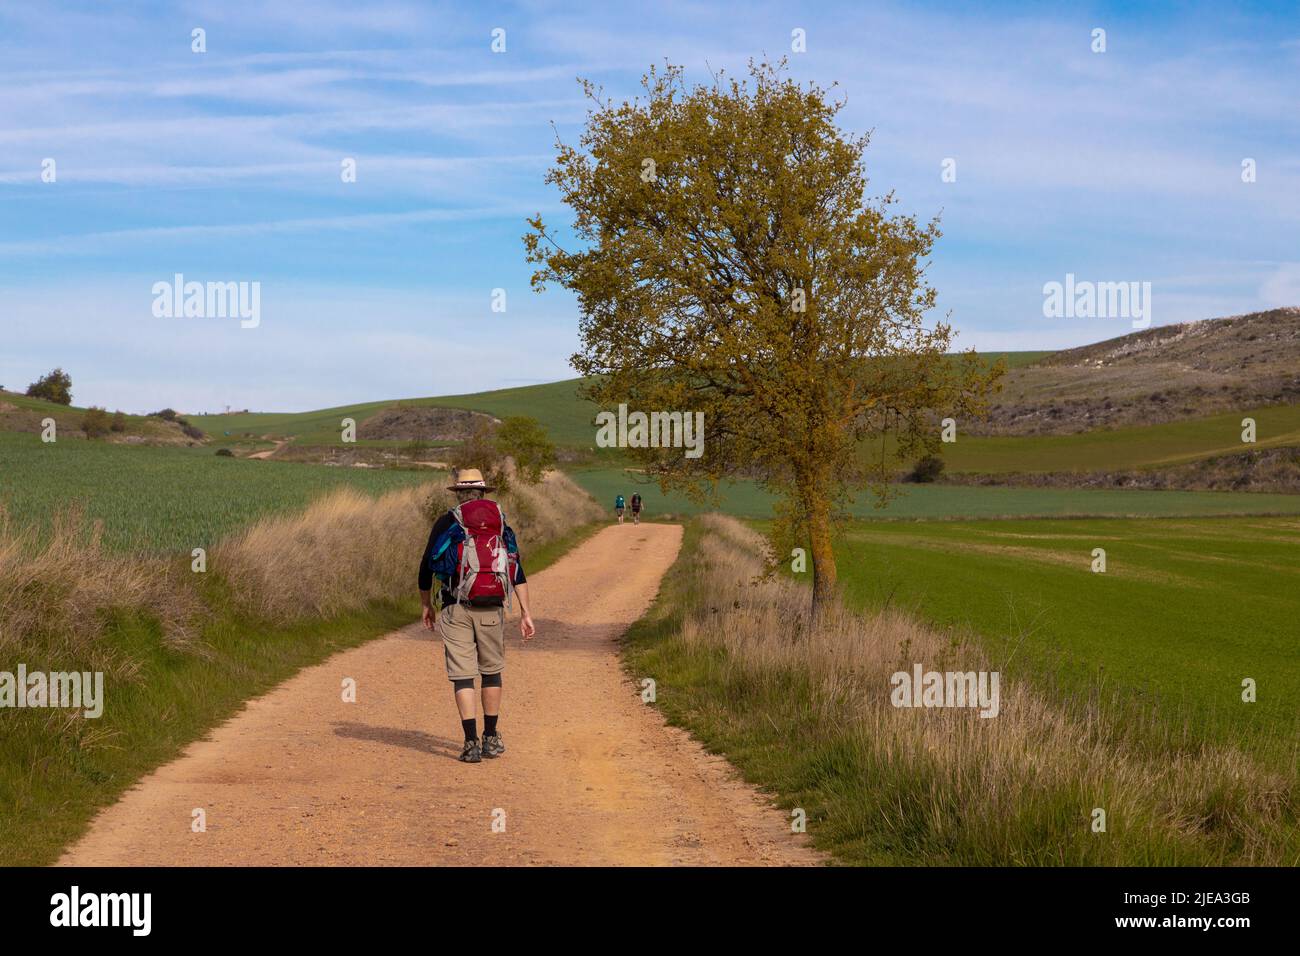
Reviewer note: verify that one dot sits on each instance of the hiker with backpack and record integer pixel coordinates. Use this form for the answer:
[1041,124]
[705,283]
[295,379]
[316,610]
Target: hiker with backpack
[618,507]
[474,555]
[636,507]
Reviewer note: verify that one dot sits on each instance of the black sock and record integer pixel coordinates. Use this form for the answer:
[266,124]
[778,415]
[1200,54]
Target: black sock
[489,725]
[470,727]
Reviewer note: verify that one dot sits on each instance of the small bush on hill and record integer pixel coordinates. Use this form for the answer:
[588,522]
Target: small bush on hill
[96,423]
[927,469]
[54,387]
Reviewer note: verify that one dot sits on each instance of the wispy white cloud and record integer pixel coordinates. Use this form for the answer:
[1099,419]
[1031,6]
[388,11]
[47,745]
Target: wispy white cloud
[88,242]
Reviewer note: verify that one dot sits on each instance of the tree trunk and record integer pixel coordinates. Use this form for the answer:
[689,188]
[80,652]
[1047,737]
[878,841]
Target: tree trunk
[823,557]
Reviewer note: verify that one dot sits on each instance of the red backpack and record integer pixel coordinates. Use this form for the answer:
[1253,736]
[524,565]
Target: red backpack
[486,568]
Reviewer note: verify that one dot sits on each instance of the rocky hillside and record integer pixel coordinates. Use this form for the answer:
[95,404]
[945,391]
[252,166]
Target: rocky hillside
[403,422]
[1153,376]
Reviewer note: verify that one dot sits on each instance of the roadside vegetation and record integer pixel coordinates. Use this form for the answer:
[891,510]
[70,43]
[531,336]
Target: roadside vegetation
[804,711]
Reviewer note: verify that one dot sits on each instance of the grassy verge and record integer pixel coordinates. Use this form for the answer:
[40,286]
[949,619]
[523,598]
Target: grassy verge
[751,727]
[806,713]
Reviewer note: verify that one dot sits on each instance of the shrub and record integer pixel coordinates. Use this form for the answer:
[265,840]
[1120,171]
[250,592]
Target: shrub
[225,453]
[166,414]
[927,469]
[525,440]
[119,422]
[96,423]
[54,387]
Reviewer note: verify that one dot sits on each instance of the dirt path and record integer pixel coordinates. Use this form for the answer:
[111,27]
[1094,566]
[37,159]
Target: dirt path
[591,775]
[270,452]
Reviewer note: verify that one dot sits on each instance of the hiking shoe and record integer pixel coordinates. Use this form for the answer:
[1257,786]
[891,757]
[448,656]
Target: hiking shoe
[472,752]
[492,746]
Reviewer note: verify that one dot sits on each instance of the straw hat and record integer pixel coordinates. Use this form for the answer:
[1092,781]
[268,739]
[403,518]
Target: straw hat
[470,479]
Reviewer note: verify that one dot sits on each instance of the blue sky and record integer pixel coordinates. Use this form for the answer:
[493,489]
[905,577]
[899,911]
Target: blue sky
[225,166]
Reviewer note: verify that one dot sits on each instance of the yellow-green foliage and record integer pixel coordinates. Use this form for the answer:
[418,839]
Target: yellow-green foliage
[731,265]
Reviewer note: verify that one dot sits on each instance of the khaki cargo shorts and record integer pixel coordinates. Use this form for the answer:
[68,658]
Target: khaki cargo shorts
[473,640]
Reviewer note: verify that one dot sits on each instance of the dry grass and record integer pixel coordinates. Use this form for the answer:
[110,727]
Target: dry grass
[955,787]
[347,550]
[344,551]
[57,588]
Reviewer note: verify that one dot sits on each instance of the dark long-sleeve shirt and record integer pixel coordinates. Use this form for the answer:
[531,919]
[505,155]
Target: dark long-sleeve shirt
[426,570]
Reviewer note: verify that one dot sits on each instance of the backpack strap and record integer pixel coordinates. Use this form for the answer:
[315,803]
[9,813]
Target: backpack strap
[461,565]
[505,546]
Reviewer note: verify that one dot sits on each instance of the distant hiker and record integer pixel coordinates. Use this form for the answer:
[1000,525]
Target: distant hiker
[473,553]
[618,507]
[636,507]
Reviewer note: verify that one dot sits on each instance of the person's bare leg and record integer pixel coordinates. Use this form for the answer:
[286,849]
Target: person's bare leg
[491,701]
[465,702]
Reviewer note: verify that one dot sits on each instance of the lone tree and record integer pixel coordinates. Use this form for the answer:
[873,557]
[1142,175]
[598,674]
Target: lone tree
[726,260]
[53,387]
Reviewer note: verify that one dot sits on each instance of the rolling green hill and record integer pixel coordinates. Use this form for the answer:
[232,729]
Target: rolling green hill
[20,413]
[568,419]
[555,405]
[1162,443]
